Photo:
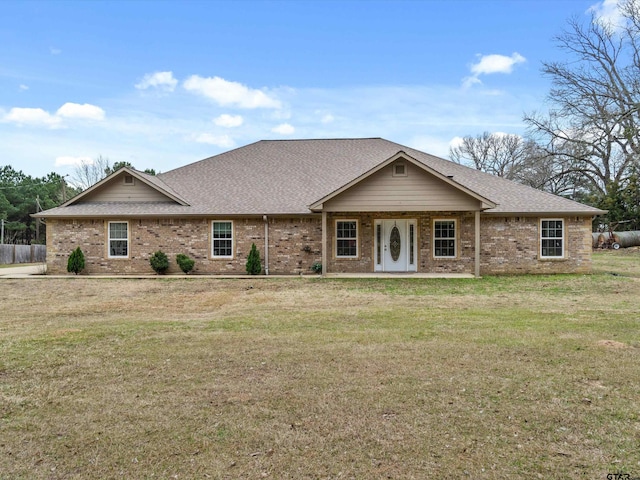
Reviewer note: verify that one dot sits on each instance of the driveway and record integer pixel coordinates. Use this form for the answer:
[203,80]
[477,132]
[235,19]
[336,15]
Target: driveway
[21,271]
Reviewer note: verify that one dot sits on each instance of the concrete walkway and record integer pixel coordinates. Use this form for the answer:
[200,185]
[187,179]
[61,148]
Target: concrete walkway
[40,270]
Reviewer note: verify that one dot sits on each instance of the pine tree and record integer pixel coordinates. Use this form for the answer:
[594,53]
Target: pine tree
[76,261]
[254,267]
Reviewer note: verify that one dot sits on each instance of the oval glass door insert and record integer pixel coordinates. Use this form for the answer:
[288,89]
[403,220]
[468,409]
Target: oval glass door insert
[394,243]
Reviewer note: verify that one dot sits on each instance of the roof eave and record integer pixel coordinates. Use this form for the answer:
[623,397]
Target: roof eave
[547,213]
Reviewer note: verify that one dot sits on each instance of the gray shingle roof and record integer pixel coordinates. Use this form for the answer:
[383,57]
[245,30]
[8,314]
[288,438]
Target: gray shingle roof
[286,176]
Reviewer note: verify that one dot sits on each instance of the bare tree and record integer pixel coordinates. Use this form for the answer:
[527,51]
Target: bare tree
[501,154]
[591,131]
[88,173]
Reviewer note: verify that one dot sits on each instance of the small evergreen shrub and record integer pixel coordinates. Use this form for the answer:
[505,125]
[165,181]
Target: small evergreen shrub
[76,261]
[316,267]
[159,262]
[185,263]
[254,267]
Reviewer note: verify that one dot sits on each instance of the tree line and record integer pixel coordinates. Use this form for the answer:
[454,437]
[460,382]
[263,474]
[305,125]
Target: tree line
[586,146]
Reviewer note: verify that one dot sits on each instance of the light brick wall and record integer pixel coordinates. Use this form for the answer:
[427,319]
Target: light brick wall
[294,245]
[510,245]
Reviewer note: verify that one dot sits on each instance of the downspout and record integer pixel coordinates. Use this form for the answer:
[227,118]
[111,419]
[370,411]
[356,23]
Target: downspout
[324,242]
[477,246]
[266,244]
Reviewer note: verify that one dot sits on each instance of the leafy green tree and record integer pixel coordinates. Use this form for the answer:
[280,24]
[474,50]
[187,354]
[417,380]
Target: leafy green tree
[21,196]
[75,263]
[254,267]
[116,166]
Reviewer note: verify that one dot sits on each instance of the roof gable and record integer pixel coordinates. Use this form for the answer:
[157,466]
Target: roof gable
[128,185]
[481,202]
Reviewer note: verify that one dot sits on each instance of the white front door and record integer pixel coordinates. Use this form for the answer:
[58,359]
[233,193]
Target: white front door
[393,244]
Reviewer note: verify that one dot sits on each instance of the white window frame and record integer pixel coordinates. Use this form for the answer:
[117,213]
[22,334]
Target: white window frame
[455,237]
[562,239]
[213,222]
[109,239]
[346,220]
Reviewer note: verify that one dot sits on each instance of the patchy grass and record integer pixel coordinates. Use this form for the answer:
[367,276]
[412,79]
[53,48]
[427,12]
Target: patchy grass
[503,377]
[618,262]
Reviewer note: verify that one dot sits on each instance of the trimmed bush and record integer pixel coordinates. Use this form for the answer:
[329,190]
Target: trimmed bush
[185,263]
[159,262]
[254,267]
[76,261]
[316,267]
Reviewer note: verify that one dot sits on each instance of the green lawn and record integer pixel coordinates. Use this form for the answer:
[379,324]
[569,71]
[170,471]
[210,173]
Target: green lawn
[502,377]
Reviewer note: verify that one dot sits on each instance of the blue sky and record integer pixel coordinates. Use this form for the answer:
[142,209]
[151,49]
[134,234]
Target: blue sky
[164,83]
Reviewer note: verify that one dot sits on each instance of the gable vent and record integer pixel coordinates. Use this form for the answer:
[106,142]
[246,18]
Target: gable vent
[128,180]
[399,170]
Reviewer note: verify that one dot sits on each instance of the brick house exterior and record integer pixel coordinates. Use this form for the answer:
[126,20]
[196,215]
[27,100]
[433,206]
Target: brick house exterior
[391,209]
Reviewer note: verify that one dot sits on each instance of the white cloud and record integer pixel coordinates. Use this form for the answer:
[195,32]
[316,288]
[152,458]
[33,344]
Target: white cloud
[284,129]
[32,116]
[489,64]
[468,82]
[76,110]
[72,161]
[162,80]
[55,51]
[23,87]
[328,118]
[229,121]
[456,142]
[227,93]
[496,64]
[222,141]
[608,14]
[40,117]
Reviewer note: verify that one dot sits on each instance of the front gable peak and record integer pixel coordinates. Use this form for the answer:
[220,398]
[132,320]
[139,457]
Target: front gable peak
[401,182]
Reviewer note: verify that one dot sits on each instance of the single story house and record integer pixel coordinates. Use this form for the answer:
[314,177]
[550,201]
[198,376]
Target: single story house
[355,205]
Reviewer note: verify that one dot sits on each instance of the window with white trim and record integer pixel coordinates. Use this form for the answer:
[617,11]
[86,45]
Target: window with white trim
[444,238]
[346,238]
[222,239]
[552,238]
[118,239]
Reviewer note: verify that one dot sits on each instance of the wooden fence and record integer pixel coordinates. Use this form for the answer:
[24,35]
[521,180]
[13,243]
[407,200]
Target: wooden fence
[10,254]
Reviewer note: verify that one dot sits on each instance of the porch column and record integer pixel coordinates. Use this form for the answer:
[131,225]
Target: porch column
[477,249]
[324,242]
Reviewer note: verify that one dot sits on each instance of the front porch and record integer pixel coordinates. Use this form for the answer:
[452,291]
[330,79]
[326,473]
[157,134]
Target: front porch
[443,244]
[414,275]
